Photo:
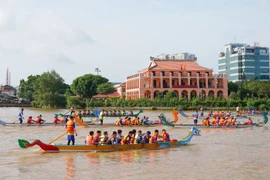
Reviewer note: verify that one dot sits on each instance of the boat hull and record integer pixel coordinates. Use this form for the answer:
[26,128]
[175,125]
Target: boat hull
[108,148]
[213,126]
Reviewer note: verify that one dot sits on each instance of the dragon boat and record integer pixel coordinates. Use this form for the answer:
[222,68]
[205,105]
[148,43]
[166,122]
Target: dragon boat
[96,113]
[238,125]
[96,148]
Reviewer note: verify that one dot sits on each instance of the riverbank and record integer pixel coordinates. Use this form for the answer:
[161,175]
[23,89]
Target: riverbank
[15,105]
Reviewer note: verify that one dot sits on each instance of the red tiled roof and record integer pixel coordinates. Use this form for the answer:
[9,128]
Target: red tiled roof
[115,94]
[178,65]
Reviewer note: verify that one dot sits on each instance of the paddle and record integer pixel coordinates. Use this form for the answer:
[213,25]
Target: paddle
[189,118]
[58,137]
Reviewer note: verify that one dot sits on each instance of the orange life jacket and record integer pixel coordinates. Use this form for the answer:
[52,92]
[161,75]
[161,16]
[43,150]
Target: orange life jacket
[214,122]
[227,114]
[154,138]
[62,119]
[125,139]
[89,140]
[37,121]
[117,121]
[134,121]
[69,126]
[29,121]
[96,137]
[166,137]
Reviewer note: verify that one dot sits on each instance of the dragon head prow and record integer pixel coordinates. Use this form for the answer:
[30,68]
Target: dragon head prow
[195,131]
[23,143]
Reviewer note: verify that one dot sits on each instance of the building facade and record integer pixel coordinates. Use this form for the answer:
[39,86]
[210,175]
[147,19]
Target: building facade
[185,77]
[244,61]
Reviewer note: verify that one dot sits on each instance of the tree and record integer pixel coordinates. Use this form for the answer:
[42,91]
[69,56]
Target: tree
[170,94]
[105,88]
[232,87]
[86,85]
[50,89]
[264,90]
[26,88]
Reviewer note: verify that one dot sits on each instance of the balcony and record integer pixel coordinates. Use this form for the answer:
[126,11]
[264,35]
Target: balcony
[184,86]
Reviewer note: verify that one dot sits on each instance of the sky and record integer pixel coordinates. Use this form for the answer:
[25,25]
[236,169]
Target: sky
[119,36]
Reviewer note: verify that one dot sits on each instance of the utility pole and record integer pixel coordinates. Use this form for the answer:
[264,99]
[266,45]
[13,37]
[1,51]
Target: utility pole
[97,70]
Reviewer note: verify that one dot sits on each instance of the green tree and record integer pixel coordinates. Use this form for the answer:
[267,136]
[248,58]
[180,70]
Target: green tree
[86,85]
[232,87]
[26,88]
[170,94]
[50,90]
[105,88]
[264,90]
[253,86]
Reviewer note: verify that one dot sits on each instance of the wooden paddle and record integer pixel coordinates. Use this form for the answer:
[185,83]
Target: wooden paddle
[189,118]
[58,137]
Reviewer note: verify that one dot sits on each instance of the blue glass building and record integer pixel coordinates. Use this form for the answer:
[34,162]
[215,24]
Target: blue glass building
[244,61]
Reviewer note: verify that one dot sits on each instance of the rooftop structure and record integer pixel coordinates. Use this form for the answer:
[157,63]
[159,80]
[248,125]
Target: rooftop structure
[244,61]
[178,56]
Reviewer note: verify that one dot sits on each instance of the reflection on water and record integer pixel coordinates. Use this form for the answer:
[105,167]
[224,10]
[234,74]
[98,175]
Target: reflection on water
[217,154]
[70,168]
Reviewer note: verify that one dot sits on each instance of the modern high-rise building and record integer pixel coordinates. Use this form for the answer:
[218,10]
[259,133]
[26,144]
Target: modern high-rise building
[244,61]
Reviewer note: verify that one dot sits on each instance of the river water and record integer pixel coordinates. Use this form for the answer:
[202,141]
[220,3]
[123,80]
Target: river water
[216,154]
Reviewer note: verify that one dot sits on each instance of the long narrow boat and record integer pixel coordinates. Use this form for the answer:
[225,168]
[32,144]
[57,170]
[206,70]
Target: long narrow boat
[229,126]
[97,112]
[81,147]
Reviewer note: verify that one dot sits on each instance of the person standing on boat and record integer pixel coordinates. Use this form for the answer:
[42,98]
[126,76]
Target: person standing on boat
[71,110]
[101,116]
[201,109]
[71,130]
[20,116]
[195,116]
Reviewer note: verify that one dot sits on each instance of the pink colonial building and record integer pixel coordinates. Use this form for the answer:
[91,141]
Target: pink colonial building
[185,77]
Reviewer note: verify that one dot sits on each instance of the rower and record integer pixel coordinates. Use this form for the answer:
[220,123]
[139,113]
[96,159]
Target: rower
[40,120]
[104,138]
[71,130]
[165,136]
[119,121]
[90,138]
[154,138]
[127,138]
[146,137]
[56,120]
[97,137]
[113,139]
[249,122]
[119,136]
[30,120]
[134,121]
[138,137]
